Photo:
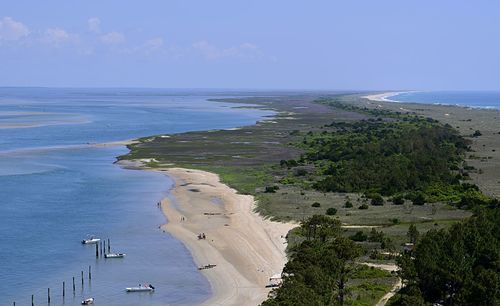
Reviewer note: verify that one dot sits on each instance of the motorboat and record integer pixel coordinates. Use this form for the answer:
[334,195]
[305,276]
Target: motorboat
[141,288]
[91,240]
[114,255]
[88,301]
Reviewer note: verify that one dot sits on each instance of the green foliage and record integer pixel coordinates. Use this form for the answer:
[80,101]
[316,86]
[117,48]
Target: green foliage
[377,200]
[376,236]
[331,211]
[319,268]
[271,189]
[458,266]
[359,236]
[348,204]
[366,272]
[402,155]
[316,204]
[398,200]
[413,233]
[363,206]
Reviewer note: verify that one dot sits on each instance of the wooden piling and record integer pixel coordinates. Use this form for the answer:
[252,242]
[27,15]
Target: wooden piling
[97,250]
[104,247]
[100,242]
[32,300]
[109,246]
[90,273]
[82,279]
[73,285]
[64,289]
[48,295]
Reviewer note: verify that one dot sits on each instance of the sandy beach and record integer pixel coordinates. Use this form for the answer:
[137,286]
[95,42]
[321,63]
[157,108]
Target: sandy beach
[383,97]
[246,249]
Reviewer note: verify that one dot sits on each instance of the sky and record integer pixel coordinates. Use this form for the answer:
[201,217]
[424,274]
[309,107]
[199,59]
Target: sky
[252,44]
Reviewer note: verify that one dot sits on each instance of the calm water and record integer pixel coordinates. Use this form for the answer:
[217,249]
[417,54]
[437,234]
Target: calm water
[482,99]
[55,190]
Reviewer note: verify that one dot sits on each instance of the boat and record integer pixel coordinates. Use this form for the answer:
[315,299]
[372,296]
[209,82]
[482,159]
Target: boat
[114,255]
[91,240]
[88,301]
[141,288]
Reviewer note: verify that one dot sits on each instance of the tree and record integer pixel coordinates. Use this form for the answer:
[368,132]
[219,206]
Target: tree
[457,266]
[318,270]
[377,200]
[320,227]
[331,211]
[412,233]
[419,199]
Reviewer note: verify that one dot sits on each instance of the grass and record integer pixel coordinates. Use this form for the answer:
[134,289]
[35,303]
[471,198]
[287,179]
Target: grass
[248,159]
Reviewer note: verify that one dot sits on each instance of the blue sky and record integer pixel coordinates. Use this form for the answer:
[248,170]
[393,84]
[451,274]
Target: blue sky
[256,44]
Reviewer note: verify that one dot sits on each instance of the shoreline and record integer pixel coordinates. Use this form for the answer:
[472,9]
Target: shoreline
[246,248]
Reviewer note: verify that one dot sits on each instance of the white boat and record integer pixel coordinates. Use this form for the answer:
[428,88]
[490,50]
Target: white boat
[141,288]
[91,240]
[88,301]
[114,255]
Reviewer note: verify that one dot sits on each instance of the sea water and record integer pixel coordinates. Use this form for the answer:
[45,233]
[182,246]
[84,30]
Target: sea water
[480,99]
[57,188]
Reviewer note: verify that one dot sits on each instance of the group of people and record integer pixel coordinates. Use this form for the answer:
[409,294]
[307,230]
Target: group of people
[202,236]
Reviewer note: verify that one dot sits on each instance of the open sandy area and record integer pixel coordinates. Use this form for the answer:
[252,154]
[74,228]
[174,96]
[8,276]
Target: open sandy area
[246,249]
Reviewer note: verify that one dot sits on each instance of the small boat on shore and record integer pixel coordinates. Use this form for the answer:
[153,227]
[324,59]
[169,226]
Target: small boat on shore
[114,255]
[141,288]
[88,301]
[91,240]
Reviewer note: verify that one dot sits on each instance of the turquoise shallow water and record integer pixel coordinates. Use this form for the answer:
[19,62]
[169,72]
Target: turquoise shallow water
[56,190]
[481,99]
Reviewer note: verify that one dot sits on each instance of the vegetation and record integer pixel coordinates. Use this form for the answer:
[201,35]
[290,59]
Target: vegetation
[322,268]
[402,154]
[457,266]
[402,172]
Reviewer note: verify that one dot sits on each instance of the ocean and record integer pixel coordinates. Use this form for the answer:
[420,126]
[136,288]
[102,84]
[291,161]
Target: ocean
[479,99]
[57,189]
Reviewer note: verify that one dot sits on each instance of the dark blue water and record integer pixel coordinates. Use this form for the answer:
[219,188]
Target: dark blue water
[480,99]
[55,190]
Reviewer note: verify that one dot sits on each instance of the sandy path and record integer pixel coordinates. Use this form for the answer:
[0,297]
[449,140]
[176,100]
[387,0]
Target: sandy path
[394,289]
[246,248]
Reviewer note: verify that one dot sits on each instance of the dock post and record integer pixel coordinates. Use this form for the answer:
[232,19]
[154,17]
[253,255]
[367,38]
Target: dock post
[100,247]
[48,295]
[104,247]
[64,289]
[82,279]
[73,285]
[109,246]
[97,250]
[14,304]
[90,273]
[32,300]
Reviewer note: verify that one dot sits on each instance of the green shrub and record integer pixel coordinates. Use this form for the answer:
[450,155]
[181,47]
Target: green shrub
[331,211]
[398,200]
[377,200]
[348,204]
[316,204]
[359,236]
[363,206]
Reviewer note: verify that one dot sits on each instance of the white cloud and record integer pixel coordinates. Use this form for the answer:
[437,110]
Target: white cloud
[58,36]
[113,38]
[211,52]
[154,43]
[94,25]
[12,30]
